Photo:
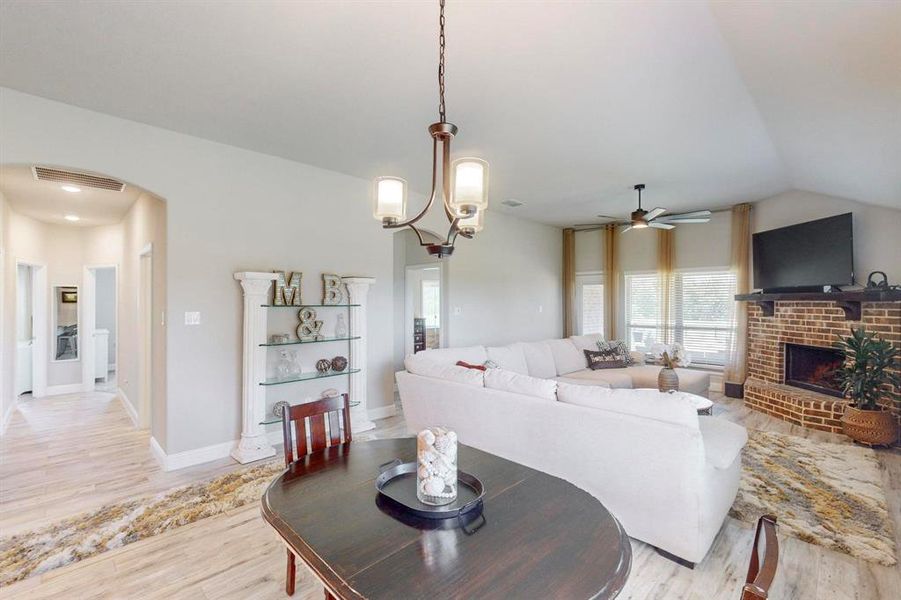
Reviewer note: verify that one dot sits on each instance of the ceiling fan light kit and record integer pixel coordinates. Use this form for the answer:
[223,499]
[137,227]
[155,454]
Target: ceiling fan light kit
[463,184]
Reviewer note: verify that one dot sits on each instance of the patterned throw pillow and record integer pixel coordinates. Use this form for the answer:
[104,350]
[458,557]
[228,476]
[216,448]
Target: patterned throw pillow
[619,348]
[604,359]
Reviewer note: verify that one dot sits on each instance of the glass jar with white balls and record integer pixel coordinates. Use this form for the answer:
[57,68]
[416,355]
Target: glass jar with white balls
[436,473]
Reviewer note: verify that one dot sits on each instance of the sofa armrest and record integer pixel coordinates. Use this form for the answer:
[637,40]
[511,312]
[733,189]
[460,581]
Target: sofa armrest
[723,441]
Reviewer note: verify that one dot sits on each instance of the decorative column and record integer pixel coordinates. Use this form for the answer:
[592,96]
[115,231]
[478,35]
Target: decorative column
[254,445]
[358,290]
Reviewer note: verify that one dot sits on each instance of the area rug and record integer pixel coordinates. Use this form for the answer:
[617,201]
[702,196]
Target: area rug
[826,494]
[117,525]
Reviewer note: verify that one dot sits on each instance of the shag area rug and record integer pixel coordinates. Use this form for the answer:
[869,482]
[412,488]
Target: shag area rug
[117,525]
[826,494]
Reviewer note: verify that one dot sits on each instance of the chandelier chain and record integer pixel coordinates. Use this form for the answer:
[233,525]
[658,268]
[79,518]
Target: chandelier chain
[441,107]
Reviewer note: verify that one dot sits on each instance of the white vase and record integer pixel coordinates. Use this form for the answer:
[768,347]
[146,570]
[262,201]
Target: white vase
[340,327]
[436,473]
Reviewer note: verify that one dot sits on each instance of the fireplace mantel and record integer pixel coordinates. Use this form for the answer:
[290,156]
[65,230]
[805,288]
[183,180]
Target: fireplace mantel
[849,302]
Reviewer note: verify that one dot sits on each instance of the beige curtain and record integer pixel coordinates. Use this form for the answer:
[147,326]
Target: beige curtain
[569,281]
[611,281]
[736,365]
[666,259]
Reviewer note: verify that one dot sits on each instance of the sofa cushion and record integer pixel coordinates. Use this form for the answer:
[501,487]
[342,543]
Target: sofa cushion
[692,381]
[567,358]
[604,359]
[508,381]
[427,368]
[540,360]
[509,358]
[614,378]
[649,404]
[723,441]
[587,342]
[475,355]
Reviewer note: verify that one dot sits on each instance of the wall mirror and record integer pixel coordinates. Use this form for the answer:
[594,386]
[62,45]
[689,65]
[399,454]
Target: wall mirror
[65,311]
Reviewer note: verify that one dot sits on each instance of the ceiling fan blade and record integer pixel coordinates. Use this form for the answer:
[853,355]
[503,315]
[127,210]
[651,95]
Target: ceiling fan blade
[608,217]
[625,228]
[655,213]
[698,214]
[659,225]
[685,221]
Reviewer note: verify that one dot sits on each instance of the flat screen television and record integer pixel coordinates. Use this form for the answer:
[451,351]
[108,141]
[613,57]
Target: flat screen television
[804,257]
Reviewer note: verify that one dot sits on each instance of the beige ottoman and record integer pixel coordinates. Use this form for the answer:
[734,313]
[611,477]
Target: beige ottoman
[690,380]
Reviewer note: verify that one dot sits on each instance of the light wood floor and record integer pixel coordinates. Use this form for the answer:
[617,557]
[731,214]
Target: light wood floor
[68,454]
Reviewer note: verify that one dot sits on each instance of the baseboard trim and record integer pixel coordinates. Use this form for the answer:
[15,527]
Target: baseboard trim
[128,406]
[189,458]
[381,412]
[59,390]
[7,417]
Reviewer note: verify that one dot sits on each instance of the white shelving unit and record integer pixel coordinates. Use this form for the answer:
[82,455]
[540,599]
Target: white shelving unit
[255,444]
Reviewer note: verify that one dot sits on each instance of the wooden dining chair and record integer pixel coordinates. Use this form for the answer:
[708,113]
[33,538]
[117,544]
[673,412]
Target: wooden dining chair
[761,572]
[304,432]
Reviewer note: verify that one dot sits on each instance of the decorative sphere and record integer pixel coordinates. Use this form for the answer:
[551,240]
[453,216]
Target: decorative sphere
[433,486]
[323,365]
[339,363]
[427,437]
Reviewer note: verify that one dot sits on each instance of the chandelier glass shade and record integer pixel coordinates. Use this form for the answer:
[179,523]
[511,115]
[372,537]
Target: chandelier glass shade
[462,185]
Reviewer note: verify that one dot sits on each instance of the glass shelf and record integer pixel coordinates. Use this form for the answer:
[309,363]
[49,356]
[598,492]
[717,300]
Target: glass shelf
[272,419]
[298,307]
[293,342]
[309,377]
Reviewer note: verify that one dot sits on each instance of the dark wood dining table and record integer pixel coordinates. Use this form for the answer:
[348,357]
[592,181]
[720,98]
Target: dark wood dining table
[541,537]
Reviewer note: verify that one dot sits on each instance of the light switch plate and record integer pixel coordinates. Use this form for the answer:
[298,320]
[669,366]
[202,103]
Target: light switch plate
[192,318]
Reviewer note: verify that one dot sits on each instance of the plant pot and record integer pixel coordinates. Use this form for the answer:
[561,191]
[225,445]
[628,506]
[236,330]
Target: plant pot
[667,380]
[874,427]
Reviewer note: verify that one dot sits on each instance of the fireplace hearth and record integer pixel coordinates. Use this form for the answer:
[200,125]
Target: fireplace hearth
[813,368]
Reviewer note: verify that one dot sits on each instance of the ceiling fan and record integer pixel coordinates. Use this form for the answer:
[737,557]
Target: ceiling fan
[641,219]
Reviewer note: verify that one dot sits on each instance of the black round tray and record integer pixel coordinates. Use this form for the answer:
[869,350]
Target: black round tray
[397,483]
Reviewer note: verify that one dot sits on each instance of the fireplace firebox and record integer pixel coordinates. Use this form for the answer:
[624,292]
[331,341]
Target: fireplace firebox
[813,368]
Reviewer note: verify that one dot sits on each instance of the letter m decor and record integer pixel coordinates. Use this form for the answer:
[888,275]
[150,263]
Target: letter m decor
[287,295]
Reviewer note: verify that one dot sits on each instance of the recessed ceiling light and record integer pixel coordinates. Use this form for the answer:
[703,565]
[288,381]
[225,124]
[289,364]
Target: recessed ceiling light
[72,218]
[71,189]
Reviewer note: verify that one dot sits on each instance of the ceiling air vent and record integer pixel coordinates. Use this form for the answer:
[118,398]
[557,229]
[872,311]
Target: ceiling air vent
[511,203]
[79,179]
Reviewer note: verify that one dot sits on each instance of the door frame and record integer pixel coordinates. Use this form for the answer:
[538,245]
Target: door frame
[89,321]
[40,356]
[145,336]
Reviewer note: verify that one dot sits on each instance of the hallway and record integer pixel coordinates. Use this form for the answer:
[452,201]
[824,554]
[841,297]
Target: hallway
[63,455]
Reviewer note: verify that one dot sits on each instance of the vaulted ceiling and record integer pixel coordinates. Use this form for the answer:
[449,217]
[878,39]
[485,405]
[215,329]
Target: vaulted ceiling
[570,102]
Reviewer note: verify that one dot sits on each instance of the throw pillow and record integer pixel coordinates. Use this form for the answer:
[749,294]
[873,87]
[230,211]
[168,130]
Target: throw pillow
[619,347]
[604,359]
[461,363]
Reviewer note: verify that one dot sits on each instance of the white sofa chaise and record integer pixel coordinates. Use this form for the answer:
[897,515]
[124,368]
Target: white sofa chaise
[668,475]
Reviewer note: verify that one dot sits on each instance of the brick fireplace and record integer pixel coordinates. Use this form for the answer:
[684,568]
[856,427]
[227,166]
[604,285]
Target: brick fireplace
[790,356]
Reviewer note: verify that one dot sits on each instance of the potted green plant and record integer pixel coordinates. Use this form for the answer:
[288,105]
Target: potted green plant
[870,367]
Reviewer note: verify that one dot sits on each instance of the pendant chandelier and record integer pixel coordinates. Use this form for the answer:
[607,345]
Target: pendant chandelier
[463,184]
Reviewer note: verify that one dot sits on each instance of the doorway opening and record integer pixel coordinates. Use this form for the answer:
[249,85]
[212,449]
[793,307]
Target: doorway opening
[101,323]
[423,307]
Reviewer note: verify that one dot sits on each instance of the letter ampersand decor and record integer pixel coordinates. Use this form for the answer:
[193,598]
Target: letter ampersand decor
[290,294]
[309,328]
[333,290]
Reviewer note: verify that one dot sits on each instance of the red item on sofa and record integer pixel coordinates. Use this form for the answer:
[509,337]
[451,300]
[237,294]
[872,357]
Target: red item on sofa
[461,363]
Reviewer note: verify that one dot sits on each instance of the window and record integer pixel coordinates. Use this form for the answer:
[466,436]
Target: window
[643,311]
[702,311]
[589,304]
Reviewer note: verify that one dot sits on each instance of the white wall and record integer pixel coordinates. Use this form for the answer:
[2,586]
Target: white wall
[877,230]
[228,210]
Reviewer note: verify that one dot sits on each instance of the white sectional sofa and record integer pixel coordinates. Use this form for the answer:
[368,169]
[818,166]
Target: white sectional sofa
[667,474]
